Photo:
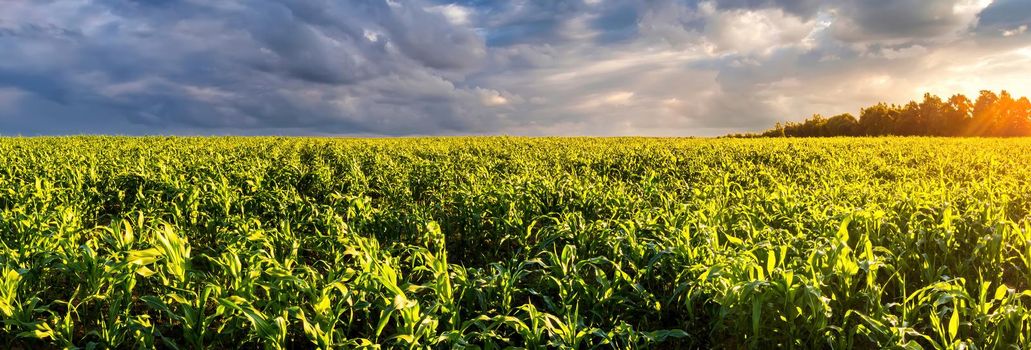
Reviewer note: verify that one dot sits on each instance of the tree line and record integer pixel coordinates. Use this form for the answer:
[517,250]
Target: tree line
[993,115]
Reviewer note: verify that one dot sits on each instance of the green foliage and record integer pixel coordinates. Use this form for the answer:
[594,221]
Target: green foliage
[999,115]
[189,243]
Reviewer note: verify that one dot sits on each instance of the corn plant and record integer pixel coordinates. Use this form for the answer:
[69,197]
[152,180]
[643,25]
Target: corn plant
[518,243]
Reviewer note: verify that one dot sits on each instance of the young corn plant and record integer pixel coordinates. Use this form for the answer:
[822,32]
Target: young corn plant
[514,243]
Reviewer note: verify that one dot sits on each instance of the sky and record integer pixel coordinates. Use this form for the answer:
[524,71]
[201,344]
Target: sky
[478,67]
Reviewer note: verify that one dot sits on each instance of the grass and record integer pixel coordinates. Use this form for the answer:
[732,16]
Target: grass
[114,242]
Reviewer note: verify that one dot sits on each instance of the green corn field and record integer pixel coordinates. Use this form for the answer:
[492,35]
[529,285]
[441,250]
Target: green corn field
[499,242]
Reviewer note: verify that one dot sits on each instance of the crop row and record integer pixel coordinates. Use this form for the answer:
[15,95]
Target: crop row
[115,242]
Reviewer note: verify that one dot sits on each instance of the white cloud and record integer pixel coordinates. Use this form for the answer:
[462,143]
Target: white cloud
[756,31]
[456,14]
[604,100]
[967,10]
[492,98]
[1015,31]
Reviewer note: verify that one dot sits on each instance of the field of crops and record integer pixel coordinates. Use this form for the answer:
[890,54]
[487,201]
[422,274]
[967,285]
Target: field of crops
[189,243]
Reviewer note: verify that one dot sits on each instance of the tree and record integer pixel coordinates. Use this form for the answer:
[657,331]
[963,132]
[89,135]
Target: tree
[990,115]
[957,114]
[1022,114]
[909,121]
[842,125]
[877,120]
[1011,117]
[983,118]
[932,115]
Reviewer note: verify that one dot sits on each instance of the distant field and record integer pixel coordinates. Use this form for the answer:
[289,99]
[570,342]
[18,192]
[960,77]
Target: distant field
[491,242]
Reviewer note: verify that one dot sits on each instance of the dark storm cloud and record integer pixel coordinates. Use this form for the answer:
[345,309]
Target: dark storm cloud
[801,8]
[531,21]
[242,65]
[399,67]
[898,19]
[1005,16]
[618,23]
[41,85]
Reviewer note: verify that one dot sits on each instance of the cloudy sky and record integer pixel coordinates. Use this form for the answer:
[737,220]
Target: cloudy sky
[520,67]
